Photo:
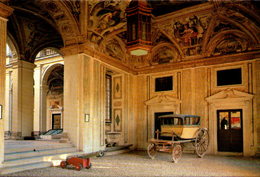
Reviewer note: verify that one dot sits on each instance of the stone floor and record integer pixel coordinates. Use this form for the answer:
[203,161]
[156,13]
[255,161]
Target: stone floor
[138,163]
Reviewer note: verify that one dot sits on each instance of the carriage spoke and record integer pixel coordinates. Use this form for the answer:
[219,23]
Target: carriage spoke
[151,150]
[201,142]
[176,153]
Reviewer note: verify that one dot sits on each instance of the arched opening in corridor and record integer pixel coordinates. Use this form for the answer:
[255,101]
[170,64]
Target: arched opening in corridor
[49,78]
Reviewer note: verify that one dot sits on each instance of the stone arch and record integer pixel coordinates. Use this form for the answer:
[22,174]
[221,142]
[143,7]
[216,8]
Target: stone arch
[47,71]
[65,21]
[164,53]
[47,109]
[42,47]
[246,11]
[13,47]
[238,36]
[174,41]
[239,30]
[114,47]
[243,28]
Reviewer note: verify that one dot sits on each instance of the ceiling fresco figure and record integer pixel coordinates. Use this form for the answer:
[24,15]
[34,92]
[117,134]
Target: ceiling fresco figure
[105,17]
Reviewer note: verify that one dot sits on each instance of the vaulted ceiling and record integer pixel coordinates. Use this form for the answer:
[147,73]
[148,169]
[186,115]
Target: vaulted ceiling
[36,24]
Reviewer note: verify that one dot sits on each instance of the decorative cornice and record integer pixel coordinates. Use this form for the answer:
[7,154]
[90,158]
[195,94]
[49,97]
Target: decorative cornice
[5,11]
[89,49]
[23,64]
[199,62]
[163,100]
[229,94]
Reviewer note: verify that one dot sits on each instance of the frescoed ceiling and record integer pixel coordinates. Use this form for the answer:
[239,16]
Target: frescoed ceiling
[181,30]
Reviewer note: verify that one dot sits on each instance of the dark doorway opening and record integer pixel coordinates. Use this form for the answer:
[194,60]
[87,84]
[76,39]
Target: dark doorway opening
[56,121]
[230,130]
[157,123]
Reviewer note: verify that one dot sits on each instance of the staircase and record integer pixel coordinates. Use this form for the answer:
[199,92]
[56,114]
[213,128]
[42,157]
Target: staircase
[27,155]
[258,152]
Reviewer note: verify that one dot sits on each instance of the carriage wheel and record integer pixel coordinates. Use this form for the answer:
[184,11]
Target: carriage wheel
[78,167]
[176,153]
[63,164]
[88,167]
[151,150]
[202,142]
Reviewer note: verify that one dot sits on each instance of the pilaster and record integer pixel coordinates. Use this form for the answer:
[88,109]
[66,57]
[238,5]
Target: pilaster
[37,101]
[83,120]
[5,11]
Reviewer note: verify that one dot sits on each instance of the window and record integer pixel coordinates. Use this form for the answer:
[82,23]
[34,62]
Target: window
[229,77]
[108,98]
[163,84]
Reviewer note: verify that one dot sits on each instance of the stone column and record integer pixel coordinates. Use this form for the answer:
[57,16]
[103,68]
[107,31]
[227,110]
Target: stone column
[37,120]
[43,110]
[23,99]
[8,103]
[40,91]
[83,118]
[5,11]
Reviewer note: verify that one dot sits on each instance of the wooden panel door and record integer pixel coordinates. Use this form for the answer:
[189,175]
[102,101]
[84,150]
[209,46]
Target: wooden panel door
[230,130]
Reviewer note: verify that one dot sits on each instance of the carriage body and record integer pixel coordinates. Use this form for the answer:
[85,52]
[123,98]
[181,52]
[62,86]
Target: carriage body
[181,125]
[175,130]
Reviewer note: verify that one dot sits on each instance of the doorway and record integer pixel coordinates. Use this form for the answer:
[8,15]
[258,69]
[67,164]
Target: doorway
[157,123]
[230,130]
[56,121]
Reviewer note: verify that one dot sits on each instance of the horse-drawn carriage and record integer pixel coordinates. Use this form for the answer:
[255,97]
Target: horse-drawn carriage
[175,130]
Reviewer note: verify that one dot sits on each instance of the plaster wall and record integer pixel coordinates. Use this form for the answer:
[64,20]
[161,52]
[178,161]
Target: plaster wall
[3,33]
[192,87]
[256,104]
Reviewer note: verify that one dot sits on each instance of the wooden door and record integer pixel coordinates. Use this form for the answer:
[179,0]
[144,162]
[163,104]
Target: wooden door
[56,121]
[230,130]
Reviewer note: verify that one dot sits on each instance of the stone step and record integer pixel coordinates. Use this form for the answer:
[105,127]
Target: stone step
[13,169]
[54,158]
[37,148]
[257,154]
[24,154]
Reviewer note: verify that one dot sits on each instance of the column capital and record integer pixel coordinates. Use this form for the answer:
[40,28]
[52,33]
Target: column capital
[24,64]
[72,49]
[5,11]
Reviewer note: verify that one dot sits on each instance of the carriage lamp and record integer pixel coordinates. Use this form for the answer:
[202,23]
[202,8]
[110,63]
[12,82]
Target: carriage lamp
[139,27]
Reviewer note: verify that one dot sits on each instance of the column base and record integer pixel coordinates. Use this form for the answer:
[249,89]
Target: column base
[9,135]
[36,133]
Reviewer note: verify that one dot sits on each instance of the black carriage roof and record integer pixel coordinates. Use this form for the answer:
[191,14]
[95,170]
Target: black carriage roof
[178,116]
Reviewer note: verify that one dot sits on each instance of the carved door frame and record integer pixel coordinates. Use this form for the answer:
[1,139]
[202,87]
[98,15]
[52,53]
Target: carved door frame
[231,99]
[160,103]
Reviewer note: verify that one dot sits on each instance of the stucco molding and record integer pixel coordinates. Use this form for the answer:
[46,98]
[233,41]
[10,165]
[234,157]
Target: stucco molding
[229,94]
[162,100]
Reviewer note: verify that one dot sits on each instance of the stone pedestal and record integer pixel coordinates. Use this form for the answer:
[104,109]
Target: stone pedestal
[5,11]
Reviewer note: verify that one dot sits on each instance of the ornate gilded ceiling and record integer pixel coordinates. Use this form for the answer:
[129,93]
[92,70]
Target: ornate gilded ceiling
[181,30]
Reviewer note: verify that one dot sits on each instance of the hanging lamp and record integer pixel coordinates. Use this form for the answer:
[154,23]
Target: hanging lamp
[139,27]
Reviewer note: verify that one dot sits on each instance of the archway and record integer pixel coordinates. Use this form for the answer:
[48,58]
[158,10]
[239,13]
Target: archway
[48,102]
